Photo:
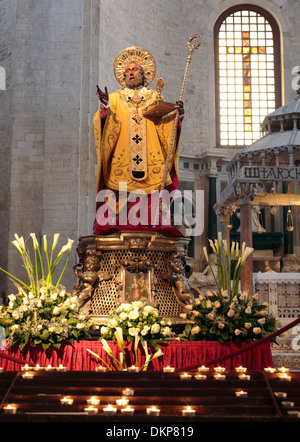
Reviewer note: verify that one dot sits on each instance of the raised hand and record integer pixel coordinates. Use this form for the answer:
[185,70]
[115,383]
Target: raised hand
[103,96]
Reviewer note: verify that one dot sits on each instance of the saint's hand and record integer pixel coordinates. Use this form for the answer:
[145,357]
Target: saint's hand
[180,108]
[103,96]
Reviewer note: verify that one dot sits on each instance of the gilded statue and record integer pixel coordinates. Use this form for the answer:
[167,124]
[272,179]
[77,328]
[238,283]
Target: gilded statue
[131,148]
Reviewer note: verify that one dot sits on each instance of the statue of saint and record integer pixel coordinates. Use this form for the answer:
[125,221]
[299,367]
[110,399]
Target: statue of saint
[132,149]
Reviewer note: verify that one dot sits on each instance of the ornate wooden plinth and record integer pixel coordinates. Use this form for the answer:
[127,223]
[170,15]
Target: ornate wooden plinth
[132,266]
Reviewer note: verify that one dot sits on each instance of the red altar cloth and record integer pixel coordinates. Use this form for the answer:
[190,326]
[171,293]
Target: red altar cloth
[180,355]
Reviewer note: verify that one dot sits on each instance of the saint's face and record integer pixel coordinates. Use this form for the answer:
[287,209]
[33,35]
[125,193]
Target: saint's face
[133,77]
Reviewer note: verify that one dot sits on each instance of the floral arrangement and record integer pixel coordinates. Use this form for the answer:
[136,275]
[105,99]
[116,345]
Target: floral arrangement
[225,258]
[215,317]
[42,312]
[136,322]
[226,314]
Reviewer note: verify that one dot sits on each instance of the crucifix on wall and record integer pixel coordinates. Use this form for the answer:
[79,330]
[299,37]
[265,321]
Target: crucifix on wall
[245,50]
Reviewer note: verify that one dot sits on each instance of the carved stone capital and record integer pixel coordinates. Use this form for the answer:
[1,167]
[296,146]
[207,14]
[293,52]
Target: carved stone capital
[246,192]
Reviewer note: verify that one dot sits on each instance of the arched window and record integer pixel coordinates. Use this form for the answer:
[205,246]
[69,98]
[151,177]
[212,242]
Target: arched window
[248,79]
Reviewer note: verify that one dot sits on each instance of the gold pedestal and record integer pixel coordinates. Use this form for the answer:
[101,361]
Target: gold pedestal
[132,266]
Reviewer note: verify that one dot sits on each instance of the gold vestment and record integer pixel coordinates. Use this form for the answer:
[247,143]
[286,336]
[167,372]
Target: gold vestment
[131,148]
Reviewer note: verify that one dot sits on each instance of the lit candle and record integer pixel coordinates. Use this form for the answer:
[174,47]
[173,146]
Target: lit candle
[28,375]
[244,377]
[285,377]
[122,401]
[128,392]
[241,393]
[25,368]
[283,370]
[10,409]
[67,401]
[109,410]
[288,404]
[50,368]
[241,369]
[270,370]
[100,369]
[38,367]
[1,370]
[220,377]
[280,394]
[133,369]
[93,401]
[200,377]
[91,410]
[219,369]
[294,413]
[62,368]
[168,369]
[203,368]
[128,411]
[153,411]
[188,411]
[185,377]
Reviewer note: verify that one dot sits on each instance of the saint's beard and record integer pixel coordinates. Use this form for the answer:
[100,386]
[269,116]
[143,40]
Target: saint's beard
[133,83]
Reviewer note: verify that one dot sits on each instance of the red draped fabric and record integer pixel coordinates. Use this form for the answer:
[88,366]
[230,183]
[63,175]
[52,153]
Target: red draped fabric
[180,355]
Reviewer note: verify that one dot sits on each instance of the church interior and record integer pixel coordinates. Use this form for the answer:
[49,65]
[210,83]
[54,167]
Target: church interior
[238,162]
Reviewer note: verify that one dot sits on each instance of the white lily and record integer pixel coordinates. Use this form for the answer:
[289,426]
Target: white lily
[34,240]
[55,240]
[66,248]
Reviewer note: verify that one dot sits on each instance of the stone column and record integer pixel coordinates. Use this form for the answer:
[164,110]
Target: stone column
[246,192]
[212,217]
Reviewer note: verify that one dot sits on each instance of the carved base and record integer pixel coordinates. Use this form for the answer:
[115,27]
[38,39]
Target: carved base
[131,266]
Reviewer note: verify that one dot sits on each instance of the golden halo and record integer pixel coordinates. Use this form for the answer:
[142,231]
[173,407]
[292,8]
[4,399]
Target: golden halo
[138,55]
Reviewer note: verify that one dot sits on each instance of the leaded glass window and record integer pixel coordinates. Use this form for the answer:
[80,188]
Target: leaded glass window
[247,74]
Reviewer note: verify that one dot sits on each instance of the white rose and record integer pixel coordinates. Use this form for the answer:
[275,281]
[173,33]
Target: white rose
[261,321]
[155,328]
[104,330]
[16,316]
[12,298]
[56,310]
[80,326]
[230,313]
[248,325]
[123,316]
[133,331]
[221,325]
[148,309]
[166,331]
[137,304]
[133,315]
[217,304]
[248,310]
[112,323]
[31,296]
[237,332]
